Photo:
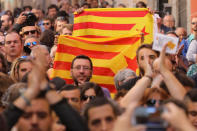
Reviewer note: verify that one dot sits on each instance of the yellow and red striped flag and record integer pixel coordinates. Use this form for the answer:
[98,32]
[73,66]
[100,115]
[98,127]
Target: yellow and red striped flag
[112,22]
[107,54]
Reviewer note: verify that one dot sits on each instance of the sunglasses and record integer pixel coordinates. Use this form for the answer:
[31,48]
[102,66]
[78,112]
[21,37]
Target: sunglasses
[31,43]
[24,57]
[31,31]
[152,102]
[84,98]
[45,23]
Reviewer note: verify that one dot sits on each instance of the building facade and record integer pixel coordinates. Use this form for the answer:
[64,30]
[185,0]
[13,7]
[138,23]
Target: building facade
[182,10]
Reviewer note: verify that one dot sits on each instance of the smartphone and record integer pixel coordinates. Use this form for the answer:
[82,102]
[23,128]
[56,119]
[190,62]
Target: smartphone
[150,117]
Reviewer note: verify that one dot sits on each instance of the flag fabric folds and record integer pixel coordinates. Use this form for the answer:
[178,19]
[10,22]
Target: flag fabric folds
[112,22]
[107,54]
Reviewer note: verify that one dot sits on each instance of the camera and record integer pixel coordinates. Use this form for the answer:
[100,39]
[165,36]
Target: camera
[30,20]
[150,117]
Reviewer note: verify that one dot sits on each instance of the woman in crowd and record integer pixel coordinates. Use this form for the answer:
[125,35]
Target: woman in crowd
[89,91]
[20,67]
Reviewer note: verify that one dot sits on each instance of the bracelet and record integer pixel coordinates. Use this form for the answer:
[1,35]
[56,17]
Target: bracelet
[151,79]
[25,99]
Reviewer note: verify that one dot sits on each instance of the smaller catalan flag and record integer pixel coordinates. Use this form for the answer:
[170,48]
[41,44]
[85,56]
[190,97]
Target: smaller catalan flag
[113,22]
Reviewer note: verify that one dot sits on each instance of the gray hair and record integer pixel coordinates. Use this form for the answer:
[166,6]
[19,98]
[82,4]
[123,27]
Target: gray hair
[36,47]
[12,93]
[122,75]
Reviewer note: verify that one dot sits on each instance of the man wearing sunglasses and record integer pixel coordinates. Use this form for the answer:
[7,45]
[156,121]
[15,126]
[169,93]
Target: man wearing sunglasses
[47,24]
[30,30]
[31,41]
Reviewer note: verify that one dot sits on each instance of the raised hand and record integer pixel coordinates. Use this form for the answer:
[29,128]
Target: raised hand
[37,77]
[147,67]
[177,118]
[21,19]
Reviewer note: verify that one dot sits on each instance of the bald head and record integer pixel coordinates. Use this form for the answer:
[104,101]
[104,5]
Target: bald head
[181,32]
[35,52]
[169,21]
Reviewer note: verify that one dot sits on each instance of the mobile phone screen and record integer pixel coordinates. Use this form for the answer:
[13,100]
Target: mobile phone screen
[149,116]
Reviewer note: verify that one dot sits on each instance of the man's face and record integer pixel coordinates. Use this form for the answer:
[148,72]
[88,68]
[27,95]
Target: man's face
[60,25]
[194,24]
[169,21]
[47,24]
[13,45]
[65,31]
[24,67]
[30,30]
[94,4]
[192,109]
[31,42]
[182,34]
[146,53]
[5,22]
[73,97]
[36,13]
[101,118]
[37,117]
[52,13]
[2,44]
[81,71]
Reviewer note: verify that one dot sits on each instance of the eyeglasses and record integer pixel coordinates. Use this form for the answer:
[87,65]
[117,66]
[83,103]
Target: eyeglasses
[84,98]
[31,31]
[45,23]
[30,43]
[81,67]
[23,57]
[194,23]
[152,102]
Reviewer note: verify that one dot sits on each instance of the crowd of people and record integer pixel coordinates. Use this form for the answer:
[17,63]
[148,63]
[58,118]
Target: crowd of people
[31,101]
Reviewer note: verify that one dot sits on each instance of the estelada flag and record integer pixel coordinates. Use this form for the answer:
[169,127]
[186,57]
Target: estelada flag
[107,54]
[112,22]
